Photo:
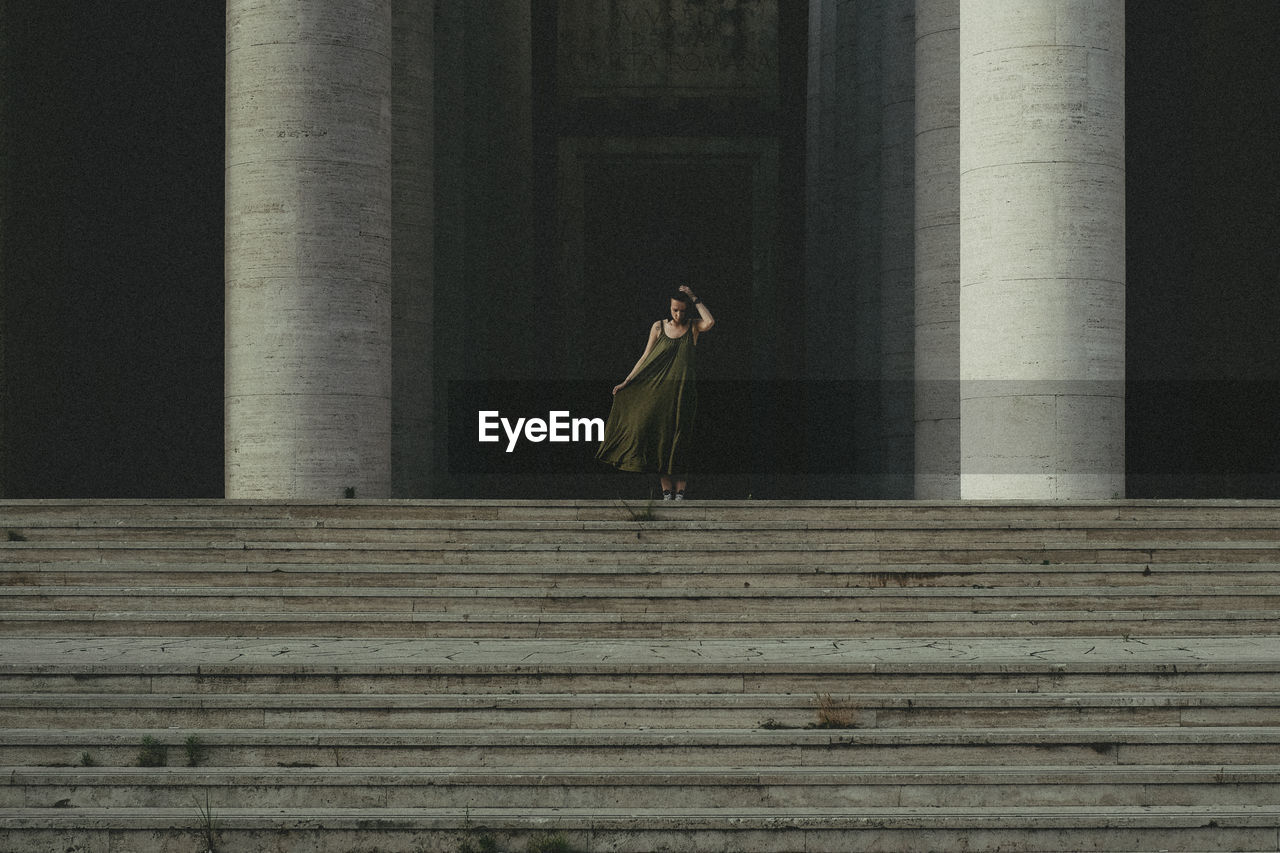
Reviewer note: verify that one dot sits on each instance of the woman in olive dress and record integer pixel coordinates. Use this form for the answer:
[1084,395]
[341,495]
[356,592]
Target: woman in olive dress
[651,421]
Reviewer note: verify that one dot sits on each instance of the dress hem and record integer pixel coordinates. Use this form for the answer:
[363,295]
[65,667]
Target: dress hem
[630,470]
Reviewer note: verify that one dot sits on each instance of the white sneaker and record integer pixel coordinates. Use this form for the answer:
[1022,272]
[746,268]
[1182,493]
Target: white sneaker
[666,496]
[679,496]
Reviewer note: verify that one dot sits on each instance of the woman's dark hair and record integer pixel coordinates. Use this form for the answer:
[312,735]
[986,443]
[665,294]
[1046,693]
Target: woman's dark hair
[679,296]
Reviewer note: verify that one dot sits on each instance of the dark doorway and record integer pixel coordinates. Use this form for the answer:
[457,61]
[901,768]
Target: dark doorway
[651,225]
[1203,231]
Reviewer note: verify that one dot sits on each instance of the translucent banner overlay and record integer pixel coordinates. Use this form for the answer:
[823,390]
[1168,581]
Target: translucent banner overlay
[1171,428]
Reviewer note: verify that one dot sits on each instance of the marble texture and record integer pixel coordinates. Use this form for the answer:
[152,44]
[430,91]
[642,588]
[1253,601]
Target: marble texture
[183,654]
[308,249]
[937,250]
[1042,250]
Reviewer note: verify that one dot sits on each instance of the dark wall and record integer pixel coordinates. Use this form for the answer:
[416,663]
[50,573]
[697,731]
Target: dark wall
[1203,234]
[113,262]
[111,253]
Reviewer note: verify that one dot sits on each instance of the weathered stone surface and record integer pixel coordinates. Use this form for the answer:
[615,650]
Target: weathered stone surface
[937,250]
[1042,248]
[634,48]
[1155,727]
[628,830]
[860,258]
[308,249]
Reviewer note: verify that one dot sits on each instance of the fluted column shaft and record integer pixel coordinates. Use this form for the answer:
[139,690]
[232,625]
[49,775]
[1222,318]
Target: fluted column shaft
[897,248]
[937,250]
[308,248]
[1042,264]
[859,257]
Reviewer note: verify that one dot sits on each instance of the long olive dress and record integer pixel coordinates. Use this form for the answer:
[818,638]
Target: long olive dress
[650,425]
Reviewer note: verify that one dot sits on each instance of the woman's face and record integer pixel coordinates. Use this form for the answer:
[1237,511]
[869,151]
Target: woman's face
[679,310]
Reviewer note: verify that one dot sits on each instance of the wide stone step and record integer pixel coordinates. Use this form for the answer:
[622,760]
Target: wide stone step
[657,624]
[634,830]
[841,666]
[610,600]
[508,748]
[732,675]
[427,532]
[1166,509]
[73,512]
[683,550]
[647,787]
[637,710]
[623,573]
[1154,680]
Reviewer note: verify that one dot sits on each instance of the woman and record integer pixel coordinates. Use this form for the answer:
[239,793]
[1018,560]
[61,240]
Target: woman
[649,426]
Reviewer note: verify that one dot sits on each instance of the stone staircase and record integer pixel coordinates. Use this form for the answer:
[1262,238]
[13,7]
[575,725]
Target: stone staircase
[590,675]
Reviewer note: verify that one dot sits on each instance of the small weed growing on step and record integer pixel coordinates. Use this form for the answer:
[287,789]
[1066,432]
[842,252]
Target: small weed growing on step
[87,760]
[834,714]
[482,843]
[15,536]
[476,840]
[208,826]
[550,844]
[153,753]
[196,751]
[645,514]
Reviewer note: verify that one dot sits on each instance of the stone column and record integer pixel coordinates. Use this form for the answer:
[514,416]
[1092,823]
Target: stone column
[859,257]
[859,160]
[822,199]
[1042,264]
[308,248]
[937,250]
[842,342]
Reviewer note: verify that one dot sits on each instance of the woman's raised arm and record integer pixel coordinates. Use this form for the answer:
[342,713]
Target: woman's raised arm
[706,321]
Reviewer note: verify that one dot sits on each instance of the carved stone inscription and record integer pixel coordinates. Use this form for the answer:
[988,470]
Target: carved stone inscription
[655,48]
